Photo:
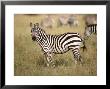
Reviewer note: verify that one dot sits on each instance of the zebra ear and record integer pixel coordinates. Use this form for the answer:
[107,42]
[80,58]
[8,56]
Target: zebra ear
[30,24]
[36,25]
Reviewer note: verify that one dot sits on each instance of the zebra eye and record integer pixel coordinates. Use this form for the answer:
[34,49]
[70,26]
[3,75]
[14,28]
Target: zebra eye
[32,30]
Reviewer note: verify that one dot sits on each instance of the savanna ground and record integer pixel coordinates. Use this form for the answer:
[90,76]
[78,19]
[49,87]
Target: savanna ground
[29,59]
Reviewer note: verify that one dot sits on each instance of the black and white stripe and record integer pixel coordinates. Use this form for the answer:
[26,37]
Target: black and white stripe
[92,28]
[57,44]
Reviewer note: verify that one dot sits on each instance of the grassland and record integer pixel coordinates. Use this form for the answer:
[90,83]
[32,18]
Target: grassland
[29,59]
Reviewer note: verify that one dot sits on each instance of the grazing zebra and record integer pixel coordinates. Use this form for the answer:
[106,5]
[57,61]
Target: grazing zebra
[72,21]
[68,20]
[89,29]
[63,20]
[57,44]
[47,22]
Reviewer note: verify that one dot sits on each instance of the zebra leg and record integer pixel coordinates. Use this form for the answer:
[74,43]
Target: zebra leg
[77,56]
[45,54]
[49,60]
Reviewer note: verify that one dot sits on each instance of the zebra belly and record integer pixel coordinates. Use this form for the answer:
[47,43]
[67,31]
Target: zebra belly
[59,50]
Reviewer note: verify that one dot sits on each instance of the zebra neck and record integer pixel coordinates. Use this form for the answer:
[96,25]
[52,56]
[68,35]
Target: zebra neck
[42,40]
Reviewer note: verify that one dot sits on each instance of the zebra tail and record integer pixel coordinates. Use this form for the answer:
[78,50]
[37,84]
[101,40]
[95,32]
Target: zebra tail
[84,46]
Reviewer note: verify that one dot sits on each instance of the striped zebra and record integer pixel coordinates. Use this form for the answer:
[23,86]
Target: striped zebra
[57,44]
[89,29]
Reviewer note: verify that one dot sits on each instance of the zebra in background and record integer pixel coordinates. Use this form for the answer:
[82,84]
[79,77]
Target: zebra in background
[89,29]
[68,20]
[57,44]
[47,22]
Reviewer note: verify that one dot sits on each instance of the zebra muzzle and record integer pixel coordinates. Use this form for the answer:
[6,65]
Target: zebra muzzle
[33,38]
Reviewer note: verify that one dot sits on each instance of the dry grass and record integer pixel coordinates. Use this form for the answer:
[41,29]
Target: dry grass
[29,59]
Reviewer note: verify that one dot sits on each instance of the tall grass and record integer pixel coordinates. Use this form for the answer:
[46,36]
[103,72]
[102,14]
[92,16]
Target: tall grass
[30,61]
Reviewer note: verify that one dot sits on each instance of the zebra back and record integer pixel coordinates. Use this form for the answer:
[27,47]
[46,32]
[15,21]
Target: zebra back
[93,28]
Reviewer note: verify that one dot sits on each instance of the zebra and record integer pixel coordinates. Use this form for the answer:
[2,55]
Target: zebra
[68,20]
[47,22]
[57,44]
[89,29]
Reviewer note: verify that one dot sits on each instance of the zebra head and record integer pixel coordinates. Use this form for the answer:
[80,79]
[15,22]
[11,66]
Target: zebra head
[34,31]
[89,29]
[87,32]
[37,33]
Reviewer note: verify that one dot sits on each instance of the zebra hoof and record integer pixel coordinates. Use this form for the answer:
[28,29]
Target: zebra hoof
[76,62]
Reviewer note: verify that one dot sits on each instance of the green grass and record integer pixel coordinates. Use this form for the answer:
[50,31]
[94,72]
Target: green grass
[30,61]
